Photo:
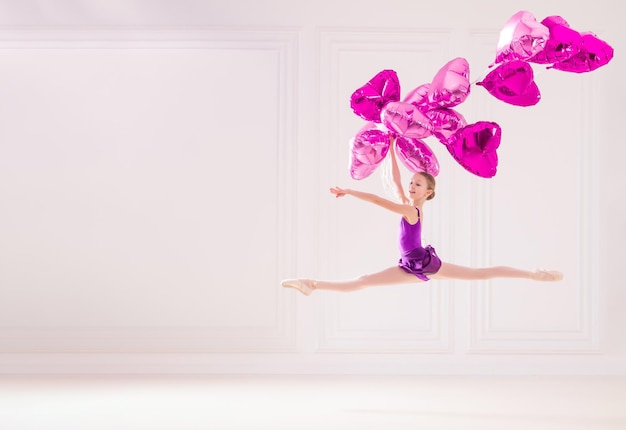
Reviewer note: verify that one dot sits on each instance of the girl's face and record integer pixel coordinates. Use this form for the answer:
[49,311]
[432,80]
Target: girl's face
[418,188]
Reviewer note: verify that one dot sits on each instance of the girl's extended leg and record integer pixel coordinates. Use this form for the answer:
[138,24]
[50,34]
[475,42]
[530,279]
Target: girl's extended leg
[390,276]
[453,271]
[395,275]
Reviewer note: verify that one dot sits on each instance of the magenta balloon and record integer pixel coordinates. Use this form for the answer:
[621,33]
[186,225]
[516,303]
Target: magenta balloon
[474,147]
[513,83]
[406,120]
[368,100]
[445,122]
[451,85]
[521,38]
[592,54]
[416,156]
[562,44]
[550,21]
[419,97]
[368,148]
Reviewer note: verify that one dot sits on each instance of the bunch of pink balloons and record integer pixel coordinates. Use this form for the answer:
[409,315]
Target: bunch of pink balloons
[424,111]
[427,109]
[523,40]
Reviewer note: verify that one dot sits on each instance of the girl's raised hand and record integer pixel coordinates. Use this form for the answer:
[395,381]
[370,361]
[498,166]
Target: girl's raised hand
[338,192]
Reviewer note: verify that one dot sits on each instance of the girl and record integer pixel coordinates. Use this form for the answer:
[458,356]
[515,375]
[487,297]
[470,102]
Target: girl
[416,263]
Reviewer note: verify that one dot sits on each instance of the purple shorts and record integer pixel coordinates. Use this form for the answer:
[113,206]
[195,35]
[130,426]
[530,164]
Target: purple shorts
[421,262]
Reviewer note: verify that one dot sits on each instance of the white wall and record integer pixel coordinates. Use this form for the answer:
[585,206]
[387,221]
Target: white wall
[163,165]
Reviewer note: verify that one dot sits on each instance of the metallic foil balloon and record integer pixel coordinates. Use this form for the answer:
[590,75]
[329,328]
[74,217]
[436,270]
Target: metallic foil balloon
[592,54]
[368,100]
[419,97]
[406,120]
[474,147]
[550,21]
[416,156]
[451,85]
[521,38]
[562,44]
[513,83]
[368,148]
[445,122]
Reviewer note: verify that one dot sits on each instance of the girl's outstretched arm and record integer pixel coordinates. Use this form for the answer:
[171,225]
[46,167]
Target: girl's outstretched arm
[408,211]
[395,173]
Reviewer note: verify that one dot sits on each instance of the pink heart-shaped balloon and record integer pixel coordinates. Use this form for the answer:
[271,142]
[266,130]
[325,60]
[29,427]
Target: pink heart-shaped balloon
[419,97]
[474,147]
[416,156]
[592,54]
[562,44]
[368,100]
[406,120]
[451,85]
[445,122]
[521,38]
[550,21]
[368,148]
[513,83]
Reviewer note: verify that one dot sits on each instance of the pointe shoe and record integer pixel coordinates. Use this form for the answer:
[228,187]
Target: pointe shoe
[305,286]
[546,275]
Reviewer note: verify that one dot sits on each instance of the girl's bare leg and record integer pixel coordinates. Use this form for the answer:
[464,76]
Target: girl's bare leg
[453,271]
[390,276]
[395,275]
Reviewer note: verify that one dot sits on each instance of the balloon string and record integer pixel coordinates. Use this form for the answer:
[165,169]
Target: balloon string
[482,75]
[387,178]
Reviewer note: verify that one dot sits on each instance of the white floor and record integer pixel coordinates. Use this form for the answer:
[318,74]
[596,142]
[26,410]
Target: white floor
[326,402]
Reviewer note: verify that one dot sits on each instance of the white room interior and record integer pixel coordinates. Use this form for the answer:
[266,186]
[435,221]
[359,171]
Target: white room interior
[164,164]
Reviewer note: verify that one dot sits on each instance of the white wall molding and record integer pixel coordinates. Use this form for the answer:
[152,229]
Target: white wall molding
[581,336]
[335,48]
[318,364]
[281,46]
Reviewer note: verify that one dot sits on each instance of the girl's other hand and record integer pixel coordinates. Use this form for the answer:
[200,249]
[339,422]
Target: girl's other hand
[338,192]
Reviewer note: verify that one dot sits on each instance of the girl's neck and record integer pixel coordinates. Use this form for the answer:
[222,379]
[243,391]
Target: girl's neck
[418,203]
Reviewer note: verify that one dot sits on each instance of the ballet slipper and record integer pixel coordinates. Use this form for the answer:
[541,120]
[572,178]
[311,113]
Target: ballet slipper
[305,286]
[546,275]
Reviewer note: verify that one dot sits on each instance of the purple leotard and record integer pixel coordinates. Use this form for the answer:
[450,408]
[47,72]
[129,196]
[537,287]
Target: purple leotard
[416,259]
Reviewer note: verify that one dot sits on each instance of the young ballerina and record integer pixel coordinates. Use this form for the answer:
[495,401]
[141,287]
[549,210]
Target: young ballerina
[417,264]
